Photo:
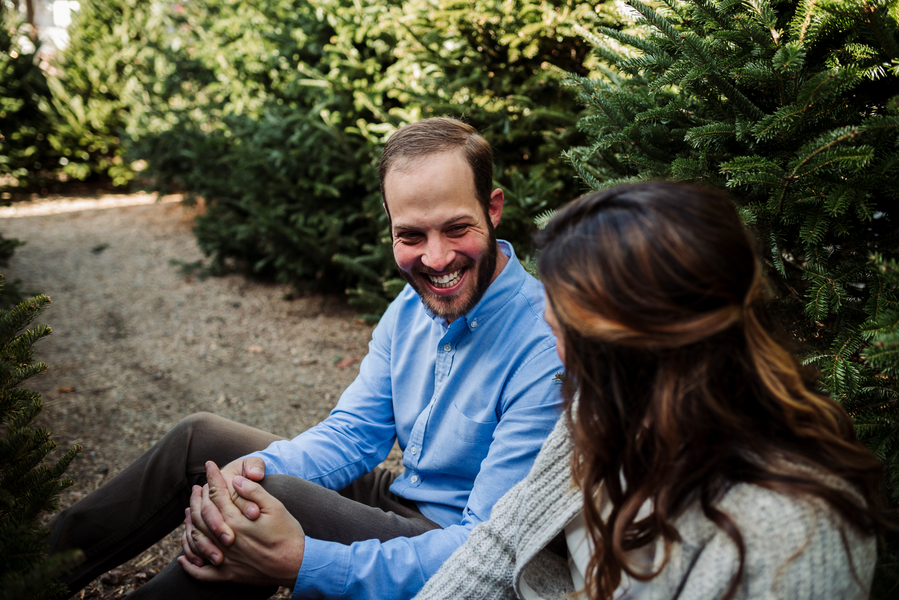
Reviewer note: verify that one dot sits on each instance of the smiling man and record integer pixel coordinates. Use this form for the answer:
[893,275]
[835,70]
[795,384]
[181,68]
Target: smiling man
[442,227]
[459,373]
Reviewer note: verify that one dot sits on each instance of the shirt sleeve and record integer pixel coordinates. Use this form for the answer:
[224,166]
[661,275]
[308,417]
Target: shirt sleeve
[529,409]
[372,570]
[356,436]
[400,567]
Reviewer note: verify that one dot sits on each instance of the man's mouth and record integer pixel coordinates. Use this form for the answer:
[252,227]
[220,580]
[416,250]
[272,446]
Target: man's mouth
[445,281]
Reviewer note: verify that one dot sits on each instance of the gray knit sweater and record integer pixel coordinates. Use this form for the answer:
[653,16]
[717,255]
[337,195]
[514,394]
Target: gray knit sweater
[794,548]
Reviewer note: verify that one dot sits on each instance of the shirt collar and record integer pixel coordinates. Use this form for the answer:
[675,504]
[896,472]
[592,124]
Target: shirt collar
[500,291]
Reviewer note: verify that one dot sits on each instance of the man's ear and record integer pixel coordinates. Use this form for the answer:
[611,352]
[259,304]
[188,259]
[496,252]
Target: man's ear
[389,220]
[496,206]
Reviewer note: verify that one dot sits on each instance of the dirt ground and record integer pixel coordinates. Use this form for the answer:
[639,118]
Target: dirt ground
[137,344]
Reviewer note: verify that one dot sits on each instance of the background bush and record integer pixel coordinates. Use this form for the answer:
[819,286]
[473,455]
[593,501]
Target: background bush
[90,82]
[275,115]
[26,111]
[55,126]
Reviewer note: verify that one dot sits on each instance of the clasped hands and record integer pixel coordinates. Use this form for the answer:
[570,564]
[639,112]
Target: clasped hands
[236,531]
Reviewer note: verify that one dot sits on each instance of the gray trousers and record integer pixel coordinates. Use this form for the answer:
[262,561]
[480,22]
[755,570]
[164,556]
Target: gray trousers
[146,501]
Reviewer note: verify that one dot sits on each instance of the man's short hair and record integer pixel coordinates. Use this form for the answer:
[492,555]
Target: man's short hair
[412,143]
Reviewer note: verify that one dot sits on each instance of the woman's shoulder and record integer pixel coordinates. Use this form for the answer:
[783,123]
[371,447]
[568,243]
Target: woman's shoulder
[770,509]
[796,545]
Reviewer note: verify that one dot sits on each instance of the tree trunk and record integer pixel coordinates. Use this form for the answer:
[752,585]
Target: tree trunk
[29,16]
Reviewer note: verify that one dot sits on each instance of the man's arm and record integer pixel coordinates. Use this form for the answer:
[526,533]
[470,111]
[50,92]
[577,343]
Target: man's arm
[356,436]
[398,568]
[527,408]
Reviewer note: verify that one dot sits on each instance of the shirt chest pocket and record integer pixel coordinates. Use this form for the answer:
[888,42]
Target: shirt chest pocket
[470,431]
[465,444]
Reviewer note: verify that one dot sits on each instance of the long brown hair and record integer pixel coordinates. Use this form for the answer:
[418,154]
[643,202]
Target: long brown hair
[681,389]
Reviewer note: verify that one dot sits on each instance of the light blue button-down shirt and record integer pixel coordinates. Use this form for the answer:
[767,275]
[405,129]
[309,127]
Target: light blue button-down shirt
[470,404]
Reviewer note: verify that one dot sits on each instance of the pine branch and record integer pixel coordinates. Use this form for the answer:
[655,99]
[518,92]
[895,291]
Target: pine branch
[765,17]
[711,11]
[693,46]
[811,151]
[715,134]
[802,19]
[883,31]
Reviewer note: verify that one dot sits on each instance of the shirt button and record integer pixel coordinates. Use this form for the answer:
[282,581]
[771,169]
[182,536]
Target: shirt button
[414,450]
[414,479]
[447,347]
[474,324]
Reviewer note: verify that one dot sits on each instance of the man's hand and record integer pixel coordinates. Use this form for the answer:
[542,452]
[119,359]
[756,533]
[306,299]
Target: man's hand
[267,551]
[252,468]
[205,531]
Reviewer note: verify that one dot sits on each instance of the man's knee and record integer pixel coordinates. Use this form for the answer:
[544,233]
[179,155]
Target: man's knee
[205,436]
[303,499]
[194,437]
[197,423]
[199,419]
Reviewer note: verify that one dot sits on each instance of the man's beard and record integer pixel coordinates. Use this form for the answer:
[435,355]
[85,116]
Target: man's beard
[442,306]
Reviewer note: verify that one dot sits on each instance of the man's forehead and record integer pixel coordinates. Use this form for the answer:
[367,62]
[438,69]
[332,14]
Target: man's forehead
[433,165]
[408,163]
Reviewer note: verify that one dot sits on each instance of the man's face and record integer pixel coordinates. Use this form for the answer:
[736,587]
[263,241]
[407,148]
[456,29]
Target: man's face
[443,243]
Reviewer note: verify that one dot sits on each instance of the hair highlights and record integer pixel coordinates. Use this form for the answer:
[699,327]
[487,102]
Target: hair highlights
[681,388]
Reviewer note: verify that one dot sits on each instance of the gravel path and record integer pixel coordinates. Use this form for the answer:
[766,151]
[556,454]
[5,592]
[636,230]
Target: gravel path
[137,344]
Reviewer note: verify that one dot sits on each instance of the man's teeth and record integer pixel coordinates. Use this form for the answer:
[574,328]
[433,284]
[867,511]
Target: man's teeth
[445,281]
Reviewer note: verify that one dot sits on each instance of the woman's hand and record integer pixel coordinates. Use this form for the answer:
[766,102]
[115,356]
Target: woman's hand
[265,551]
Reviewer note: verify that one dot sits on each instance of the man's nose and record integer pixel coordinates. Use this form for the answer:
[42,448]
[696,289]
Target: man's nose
[438,255]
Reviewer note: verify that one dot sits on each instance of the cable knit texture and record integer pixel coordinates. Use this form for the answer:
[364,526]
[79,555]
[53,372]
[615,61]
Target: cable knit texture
[794,547]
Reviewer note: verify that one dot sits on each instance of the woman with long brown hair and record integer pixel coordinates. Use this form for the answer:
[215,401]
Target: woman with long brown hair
[695,458]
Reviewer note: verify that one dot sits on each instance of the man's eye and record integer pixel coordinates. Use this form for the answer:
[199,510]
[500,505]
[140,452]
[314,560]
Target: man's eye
[458,229]
[409,237]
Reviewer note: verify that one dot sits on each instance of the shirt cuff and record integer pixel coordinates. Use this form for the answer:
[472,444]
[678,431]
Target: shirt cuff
[270,467]
[324,570]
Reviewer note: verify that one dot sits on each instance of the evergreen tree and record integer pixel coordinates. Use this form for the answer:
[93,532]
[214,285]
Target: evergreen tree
[25,110]
[278,126]
[28,484]
[106,49]
[792,106]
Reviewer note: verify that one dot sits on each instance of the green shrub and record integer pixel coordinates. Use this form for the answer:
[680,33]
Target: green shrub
[243,118]
[26,115]
[275,115]
[28,484]
[10,294]
[61,121]
[109,42]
